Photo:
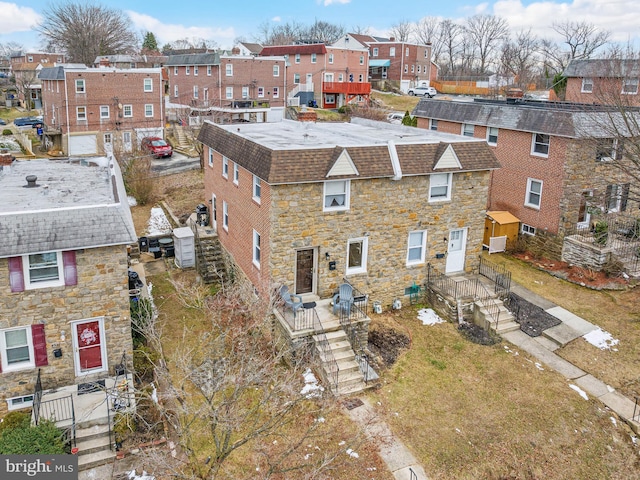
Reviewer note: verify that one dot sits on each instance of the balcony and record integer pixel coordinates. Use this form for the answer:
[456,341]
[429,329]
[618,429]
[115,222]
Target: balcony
[347,88]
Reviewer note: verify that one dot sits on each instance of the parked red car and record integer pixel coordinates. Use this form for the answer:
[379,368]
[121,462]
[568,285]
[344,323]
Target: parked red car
[157,147]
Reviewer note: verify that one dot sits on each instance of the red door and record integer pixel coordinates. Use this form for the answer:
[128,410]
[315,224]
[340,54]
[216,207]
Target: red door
[89,342]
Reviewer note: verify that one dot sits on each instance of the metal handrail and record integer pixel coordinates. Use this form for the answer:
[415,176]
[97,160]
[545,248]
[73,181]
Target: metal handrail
[37,399]
[498,274]
[636,408]
[327,359]
[412,474]
[302,319]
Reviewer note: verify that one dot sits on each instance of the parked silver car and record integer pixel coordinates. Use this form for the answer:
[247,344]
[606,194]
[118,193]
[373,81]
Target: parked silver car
[423,91]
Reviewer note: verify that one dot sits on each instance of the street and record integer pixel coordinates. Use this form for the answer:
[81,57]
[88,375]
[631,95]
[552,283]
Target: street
[175,164]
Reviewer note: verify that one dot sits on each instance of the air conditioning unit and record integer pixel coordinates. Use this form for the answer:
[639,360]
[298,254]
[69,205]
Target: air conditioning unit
[397,304]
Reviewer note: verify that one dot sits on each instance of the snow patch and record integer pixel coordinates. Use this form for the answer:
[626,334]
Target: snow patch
[158,223]
[601,339]
[352,454]
[311,388]
[582,393]
[429,317]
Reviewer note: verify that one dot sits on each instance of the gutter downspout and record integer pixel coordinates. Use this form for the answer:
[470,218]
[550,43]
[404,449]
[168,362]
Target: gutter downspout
[395,161]
[66,99]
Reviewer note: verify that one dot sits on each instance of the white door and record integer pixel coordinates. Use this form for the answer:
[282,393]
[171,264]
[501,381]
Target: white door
[456,250]
[89,346]
[126,141]
[83,144]
[214,213]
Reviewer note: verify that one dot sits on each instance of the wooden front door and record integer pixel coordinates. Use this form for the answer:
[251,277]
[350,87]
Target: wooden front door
[89,346]
[305,263]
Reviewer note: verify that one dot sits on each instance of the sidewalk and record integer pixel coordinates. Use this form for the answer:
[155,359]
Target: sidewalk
[542,348]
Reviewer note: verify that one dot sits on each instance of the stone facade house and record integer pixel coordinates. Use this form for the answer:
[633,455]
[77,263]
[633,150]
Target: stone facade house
[603,81]
[557,158]
[406,64]
[331,75]
[96,110]
[64,298]
[309,205]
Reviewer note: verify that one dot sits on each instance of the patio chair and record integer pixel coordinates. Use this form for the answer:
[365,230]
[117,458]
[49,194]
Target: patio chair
[294,302]
[343,300]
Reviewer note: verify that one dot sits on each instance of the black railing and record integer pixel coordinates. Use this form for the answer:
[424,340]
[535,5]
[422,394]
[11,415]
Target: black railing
[412,474]
[325,353]
[498,274]
[360,354]
[59,410]
[37,399]
[636,412]
[120,396]
[301,319]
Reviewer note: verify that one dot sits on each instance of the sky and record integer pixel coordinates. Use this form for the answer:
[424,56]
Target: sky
[224,21]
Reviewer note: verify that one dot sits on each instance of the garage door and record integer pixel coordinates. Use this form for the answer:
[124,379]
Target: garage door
[83,145]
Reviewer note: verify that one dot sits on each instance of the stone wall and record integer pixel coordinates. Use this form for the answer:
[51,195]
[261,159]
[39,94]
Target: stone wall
[384,212]
[102,292]
[583,254]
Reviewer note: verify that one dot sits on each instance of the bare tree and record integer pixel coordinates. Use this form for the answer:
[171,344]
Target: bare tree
[360,30]
[324,32]
[401,30]
[24,79]
[10,48]
[226,391]
[486,32]
[579,40]
[84,31]
[519,58]
[451,39]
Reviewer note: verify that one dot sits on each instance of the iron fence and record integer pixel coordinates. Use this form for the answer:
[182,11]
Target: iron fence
[325,353]
[58,410]
[498,274]
[301,319]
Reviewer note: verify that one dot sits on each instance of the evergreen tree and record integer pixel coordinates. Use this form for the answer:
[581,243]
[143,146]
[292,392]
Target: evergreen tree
[150,43]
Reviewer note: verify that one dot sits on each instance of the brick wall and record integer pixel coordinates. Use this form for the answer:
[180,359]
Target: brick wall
[102,291]
[605,91]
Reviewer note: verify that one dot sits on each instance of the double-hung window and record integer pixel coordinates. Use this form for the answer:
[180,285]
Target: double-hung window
[336,195]
[195,70]
[357,255]
[209,70]
[225,167]
[229,93]
[236,173]
[297,58]
[630,86]
[148,84]
[148,110]
[104,111]
[416,247]
[534,193]
[468,129]
[80,87]
[257,189]
[313,58]
[127,110]
[440,187]
[81,113]
[256,249]
[225,215]
[296,78]
[540,145]
[608,149]
[16,349]
[492,136]
[210,157]
[276,70]
[228,69]
[41,270]
[196,91]
[433,124]
[587,85]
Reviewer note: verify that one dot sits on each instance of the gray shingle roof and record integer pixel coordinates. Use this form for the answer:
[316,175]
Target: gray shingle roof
[51,73]
[556,119]
[603,68]
[193,59]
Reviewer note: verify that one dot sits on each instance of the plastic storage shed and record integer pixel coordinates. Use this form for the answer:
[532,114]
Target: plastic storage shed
[184,245]
[500,224]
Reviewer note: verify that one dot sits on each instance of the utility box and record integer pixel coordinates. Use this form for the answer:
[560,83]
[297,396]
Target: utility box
[185,249]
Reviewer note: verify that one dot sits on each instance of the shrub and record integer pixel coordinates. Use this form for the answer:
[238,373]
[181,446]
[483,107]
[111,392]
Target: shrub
[18,436]
[601,233]
[6,131]
[613,267]
[138,180]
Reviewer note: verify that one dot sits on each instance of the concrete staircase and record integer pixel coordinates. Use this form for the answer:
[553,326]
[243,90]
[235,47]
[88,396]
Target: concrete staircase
[350,376]
[94,445]
[211,265]
[181,138]
[482,316]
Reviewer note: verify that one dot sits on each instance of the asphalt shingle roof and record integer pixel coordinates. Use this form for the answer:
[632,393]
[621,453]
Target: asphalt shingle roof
[603,68]
[193,59]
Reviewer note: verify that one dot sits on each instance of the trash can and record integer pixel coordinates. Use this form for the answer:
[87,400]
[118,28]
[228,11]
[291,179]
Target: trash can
[202,215]
[143,243]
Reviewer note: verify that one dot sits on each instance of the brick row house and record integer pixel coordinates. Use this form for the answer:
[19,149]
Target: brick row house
[308,205]
[556,159]
[405,63]
[25,68]
[214,82]
[95,110]
[64,302]
[331,75]
[603,81]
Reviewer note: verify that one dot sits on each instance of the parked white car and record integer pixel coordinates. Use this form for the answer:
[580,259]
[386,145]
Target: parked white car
[395,117]
[423,91]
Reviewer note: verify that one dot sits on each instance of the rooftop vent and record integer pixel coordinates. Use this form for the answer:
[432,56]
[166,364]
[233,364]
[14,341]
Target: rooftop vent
[31,181]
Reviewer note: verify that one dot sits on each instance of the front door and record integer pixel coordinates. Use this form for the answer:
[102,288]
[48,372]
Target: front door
[305,268]
[214,213]
[584,217]
[456,250]
[126,141]
[89,346]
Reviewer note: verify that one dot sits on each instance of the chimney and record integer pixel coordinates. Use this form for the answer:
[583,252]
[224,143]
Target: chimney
[31,181]
[104,62]
[392,39]
[235,51]
[6,159]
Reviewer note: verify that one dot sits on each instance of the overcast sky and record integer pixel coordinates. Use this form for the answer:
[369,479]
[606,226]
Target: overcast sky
[223,21]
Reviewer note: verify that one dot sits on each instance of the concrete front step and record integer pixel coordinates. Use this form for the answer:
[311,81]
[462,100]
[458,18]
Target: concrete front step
[87,447]
[92,460]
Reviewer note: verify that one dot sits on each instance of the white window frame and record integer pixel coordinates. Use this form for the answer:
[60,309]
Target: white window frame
[362,268]
[26,401]
[210,157]
[413,68]
[611,152]
[228,69]
[195,70]
[175,91]
[361,59]
[587,85]
[346,191]
[26,268]
[276,70]
[406,54]
[27,364]
[148,85]
[257,189]
[331,58]
[492,135]
[196,92]
[148,110]
[107,139]
[527,229]
[208,70]
[439,180]
[529,192]
[175,70]
[229,93]
[225,215]
[375,51]
[187,70]
[256,250]
[433,124]
[392,51]
[225,167]
[104,111]
[535,142]
[260,92]
[81,113]
[412,247]
[236,173]
[276,92]
[80,85]
[467,129]
[296,78]
[361,78]
[314,58]
[630,86]
[128,108]
[297,58]
[245,92]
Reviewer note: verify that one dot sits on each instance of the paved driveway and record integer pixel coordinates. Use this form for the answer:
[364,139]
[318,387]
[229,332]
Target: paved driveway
[175,164]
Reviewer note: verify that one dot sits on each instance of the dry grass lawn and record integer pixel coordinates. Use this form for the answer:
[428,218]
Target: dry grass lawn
[392,101]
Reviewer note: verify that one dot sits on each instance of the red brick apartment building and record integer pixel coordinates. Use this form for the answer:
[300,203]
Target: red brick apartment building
[331,75]
[92,110]
[553,170]
[408,64]
[603,81]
